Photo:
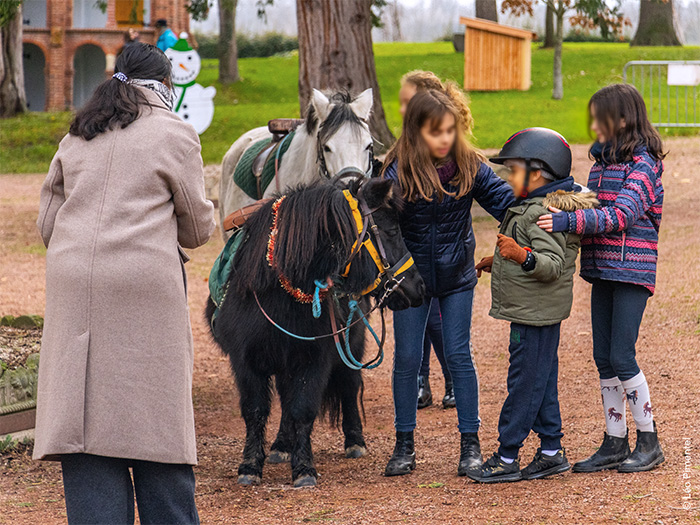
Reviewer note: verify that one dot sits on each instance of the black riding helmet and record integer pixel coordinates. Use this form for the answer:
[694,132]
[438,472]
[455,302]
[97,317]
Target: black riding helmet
[540,148]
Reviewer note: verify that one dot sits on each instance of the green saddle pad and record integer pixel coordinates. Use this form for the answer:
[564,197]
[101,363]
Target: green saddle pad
[243,175]
[221,271]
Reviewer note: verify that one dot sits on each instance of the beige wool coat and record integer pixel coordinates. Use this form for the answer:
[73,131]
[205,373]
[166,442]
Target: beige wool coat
[115,372]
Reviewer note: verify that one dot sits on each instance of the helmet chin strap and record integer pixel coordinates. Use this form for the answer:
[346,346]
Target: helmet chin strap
[526,183]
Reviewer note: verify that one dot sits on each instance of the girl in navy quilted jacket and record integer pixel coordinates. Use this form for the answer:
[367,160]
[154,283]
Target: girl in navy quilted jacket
[618,256]
[439,174]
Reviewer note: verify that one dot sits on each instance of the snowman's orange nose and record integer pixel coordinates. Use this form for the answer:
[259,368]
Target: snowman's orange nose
[183,66]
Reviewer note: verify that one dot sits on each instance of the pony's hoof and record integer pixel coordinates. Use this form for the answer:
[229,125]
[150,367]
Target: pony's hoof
[305,481]
[277,456]
[355,451]
[248,480]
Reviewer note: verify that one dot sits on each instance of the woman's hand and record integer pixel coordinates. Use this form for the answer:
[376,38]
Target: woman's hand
[546,221]
[510,249]
[484,265]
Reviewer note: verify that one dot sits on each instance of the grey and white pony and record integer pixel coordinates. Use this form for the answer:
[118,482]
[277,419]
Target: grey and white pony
[334,138]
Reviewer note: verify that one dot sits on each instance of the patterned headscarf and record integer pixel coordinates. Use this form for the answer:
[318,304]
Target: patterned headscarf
[164,92]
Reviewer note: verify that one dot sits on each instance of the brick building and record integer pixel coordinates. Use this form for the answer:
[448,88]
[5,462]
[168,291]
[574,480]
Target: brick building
[70,45]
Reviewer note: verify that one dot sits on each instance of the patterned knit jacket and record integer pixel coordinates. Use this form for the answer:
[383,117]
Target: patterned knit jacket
[620,238]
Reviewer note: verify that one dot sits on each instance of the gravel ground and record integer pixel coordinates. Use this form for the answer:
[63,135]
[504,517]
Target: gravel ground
[354,491]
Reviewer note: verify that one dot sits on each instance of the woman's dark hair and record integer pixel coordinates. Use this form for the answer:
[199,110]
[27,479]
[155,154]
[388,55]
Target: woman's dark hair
[116,103]
[622,115]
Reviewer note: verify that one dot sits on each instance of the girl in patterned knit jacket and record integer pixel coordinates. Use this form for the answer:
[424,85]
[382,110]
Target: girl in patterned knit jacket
[618,256]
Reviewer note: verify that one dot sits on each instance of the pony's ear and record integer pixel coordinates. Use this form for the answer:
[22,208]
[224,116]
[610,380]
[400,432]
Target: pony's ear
[378,192]
[362,105]
[321,104]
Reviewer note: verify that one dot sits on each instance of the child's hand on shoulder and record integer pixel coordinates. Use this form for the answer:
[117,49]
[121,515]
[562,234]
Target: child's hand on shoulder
[510,249]
[484,265]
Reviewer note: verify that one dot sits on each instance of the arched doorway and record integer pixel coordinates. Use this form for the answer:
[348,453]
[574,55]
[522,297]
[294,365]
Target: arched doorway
[33,61]
[89,63]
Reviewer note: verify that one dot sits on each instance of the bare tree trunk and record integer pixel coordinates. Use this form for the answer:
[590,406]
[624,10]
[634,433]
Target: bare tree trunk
[657,24]
[228,49]
[335,52]
[12,96]
[487,10]
[557,79]
[396,22]
[549,28]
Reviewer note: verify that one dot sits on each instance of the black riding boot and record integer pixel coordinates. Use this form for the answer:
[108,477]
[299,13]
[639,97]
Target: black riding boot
[425,396]
[449,400]
[470,459]
[611,453]
[403,460]
[647,454]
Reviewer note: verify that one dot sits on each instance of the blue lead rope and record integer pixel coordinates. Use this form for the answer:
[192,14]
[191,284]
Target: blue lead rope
[346,353]
[316,303]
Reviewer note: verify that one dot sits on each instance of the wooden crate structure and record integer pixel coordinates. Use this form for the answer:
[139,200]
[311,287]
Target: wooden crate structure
[496,57]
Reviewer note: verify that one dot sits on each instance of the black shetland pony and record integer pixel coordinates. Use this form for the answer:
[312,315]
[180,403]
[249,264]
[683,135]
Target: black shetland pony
[314,241]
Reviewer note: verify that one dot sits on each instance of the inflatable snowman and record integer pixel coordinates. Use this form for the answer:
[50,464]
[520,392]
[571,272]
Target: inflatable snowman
[194,103]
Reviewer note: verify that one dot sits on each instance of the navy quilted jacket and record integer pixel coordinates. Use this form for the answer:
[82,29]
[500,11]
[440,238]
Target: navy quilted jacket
[439,234]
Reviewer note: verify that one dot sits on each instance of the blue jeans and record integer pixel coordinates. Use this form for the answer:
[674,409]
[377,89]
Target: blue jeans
[409,329]
[433,338]
[616,313]
[100,490]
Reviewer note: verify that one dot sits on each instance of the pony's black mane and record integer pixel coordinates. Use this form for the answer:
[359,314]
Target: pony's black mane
[341,113]
[312,220]
[316,231]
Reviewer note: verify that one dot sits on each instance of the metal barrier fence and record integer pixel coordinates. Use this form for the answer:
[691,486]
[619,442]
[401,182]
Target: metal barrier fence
[669,88]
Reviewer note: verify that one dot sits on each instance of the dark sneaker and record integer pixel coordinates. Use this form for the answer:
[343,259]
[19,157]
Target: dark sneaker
[403,460]
[611,454]
[647,453]
[543,465]
[425,396]
[449,400]
[469,454]
[495,470]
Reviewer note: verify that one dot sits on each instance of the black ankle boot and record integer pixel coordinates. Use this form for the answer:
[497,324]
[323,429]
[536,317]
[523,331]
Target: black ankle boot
[470,459]
[611,453]
[425,396]
[403,460]
[449,400]
[647,453]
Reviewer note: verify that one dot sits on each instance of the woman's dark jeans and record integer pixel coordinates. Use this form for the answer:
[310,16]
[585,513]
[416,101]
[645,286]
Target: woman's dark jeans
[616,313]
[409,328]
[433,338]
[99,490]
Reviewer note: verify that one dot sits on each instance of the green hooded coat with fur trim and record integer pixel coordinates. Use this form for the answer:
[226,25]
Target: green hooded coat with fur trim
[544,295]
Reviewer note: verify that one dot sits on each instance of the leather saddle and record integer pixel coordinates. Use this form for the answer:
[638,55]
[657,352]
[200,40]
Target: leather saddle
[280,128]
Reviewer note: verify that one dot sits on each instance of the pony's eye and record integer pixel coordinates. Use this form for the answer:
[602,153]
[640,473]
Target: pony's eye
[369,147]
[327,149]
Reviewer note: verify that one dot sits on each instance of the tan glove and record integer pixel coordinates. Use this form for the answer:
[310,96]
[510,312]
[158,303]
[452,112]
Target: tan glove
[510,249]
[484,265]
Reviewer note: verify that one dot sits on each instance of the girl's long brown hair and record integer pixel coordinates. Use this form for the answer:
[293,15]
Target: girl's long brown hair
[620,110]
[415,168]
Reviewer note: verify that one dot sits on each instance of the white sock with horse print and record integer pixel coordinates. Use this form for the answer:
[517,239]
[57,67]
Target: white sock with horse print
[613,396]
[637,391]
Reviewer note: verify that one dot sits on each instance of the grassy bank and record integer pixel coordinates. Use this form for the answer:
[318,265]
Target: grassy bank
[269,90]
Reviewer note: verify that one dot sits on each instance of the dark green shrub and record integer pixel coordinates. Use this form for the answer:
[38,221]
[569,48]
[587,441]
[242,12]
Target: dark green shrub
[265,45]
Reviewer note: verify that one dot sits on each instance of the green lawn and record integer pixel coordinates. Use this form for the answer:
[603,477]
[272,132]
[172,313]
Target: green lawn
[269,90]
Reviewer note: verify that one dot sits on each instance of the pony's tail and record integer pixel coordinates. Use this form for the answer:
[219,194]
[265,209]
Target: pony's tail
[332,398]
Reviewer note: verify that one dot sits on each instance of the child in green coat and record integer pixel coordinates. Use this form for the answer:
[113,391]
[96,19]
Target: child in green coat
[532,287]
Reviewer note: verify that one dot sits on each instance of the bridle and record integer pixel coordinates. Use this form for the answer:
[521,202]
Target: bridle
[385,284]
[350,170]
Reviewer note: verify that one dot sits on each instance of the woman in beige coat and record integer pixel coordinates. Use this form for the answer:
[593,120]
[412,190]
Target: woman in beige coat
[124,194]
